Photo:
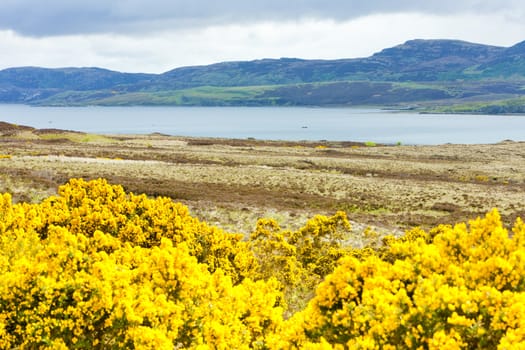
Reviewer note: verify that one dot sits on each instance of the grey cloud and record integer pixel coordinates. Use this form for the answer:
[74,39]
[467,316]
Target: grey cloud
[63,17]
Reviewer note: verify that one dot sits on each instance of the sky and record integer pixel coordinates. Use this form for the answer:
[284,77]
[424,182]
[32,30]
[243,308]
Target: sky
[154,36]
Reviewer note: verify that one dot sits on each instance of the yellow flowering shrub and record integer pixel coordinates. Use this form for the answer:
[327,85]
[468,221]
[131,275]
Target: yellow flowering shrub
[96,267]
[85,207]
[299,259]
[72,279]
[458,287]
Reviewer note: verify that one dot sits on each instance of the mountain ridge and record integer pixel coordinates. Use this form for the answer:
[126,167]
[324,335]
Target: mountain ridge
[417,70]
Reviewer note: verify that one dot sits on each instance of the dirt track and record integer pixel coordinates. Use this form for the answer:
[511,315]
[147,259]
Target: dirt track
[233,182]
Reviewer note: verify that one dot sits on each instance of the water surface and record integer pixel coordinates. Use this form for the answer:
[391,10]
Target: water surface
[276,123]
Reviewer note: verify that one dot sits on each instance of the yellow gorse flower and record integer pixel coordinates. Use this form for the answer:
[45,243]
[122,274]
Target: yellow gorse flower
[97,267]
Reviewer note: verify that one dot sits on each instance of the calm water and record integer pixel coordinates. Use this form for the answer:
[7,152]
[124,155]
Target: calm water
[278,123]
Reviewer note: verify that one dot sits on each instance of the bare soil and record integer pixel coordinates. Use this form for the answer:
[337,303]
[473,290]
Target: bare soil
[231,183]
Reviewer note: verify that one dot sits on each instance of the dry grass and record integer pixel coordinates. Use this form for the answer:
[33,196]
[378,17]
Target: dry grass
[231,183]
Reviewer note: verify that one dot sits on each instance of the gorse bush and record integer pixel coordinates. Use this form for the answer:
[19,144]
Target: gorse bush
[454,288]
[98,268]
[300,259]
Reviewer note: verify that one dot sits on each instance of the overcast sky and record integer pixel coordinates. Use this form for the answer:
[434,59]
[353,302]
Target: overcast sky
[158,35]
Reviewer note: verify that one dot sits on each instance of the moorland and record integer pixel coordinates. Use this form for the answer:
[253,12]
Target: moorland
[231,183]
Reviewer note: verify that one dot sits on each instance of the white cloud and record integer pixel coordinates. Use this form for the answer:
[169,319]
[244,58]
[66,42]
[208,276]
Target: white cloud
[69,17]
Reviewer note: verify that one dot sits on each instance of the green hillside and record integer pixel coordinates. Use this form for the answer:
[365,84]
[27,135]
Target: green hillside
[420,72]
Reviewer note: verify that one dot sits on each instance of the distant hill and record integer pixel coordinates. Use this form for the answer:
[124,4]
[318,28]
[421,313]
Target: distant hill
[418,71]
